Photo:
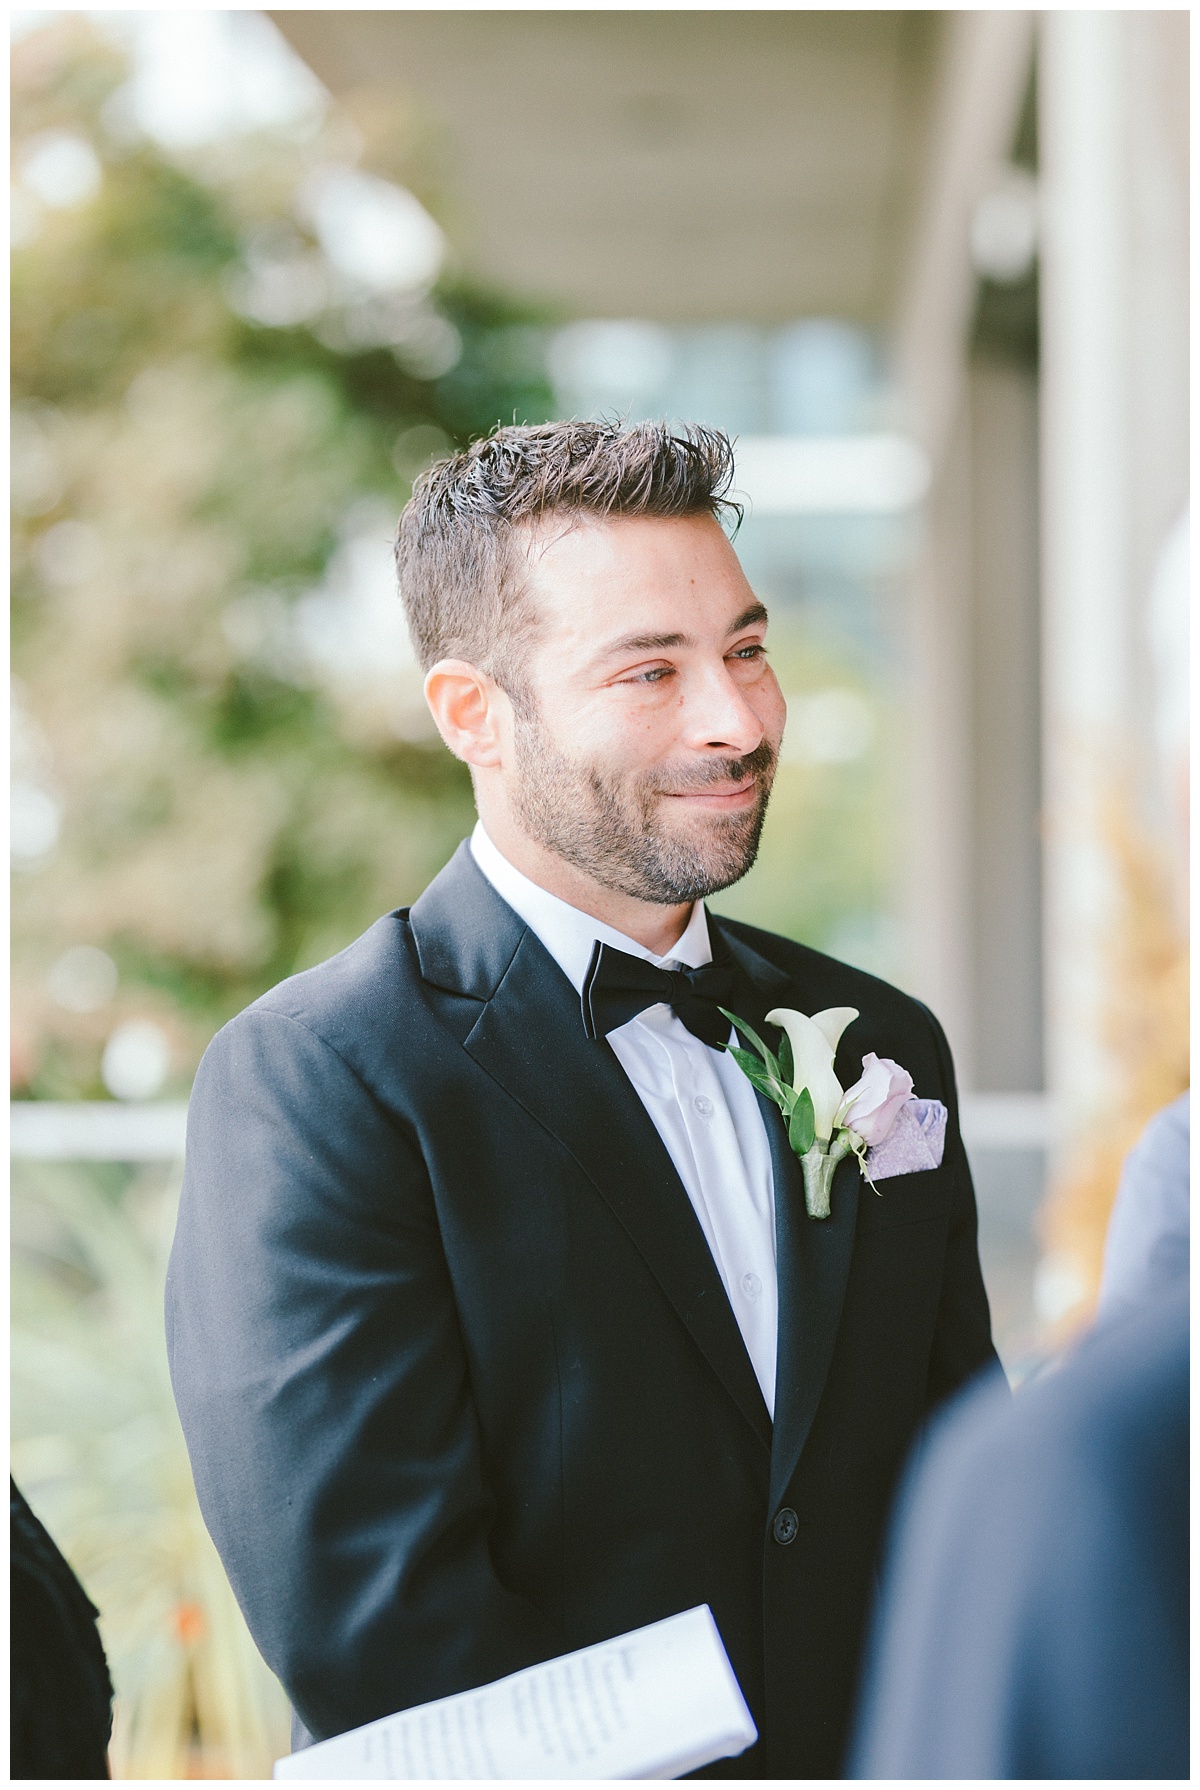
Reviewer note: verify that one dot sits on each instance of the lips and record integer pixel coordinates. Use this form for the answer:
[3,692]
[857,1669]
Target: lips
[710,789]
[715,796]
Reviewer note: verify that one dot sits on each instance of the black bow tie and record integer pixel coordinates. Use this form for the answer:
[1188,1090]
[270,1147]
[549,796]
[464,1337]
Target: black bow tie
[618,987]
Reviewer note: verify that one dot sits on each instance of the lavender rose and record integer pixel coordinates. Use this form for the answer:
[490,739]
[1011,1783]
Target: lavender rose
[870,1107]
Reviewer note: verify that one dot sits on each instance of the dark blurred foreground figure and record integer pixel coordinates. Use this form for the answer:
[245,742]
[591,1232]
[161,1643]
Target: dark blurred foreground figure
[1034,1622]
[61,1690]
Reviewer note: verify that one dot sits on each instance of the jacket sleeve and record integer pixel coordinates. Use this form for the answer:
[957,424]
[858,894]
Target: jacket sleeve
[962,1341]
[323,1388]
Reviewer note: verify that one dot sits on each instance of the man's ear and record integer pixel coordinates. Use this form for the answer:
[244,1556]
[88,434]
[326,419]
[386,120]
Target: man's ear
[470,710]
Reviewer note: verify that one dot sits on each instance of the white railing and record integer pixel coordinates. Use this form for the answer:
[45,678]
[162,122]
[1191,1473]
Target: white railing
[1008,1121]
[154,1130]
[98,1130]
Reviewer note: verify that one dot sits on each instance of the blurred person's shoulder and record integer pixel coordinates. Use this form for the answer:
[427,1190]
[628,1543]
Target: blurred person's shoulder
[1030,1472]
[1102,1420]
[1034,1620]
[1147,1244]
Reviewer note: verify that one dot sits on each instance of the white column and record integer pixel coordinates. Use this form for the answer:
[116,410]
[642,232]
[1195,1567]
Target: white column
[1087,631]
[981,81]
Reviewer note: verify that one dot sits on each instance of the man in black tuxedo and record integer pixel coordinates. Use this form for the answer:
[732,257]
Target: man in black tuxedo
[497,1324]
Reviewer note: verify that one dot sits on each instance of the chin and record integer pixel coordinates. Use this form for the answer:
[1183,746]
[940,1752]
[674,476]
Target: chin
[722,847]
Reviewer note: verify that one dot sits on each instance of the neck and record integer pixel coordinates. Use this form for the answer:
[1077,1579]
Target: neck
[652,924]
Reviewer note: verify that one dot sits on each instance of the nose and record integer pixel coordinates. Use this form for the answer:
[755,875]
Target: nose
[718,716]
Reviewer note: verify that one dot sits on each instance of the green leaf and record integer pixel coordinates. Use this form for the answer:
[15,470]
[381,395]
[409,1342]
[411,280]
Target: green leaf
[755,1073]
[802,1126]
[787,1069]
[747,1062]
[767,1056]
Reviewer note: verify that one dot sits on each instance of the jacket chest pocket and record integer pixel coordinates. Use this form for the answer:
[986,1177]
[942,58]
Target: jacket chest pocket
[904,1199]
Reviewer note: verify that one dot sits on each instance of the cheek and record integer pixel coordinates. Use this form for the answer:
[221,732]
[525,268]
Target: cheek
[765,698]
[624,731]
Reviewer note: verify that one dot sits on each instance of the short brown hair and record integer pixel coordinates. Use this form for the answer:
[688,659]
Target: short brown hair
[461,579]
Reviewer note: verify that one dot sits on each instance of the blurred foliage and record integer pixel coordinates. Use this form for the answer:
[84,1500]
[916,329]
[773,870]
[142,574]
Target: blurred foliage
[188,484]
[185,482]
[182,479]
[825,862]
[100,1455]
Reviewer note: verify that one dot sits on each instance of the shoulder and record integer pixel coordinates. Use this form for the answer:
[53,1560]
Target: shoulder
[1148,1231]
[366,971]
[1034,1620]
[1048,1489]
[1097,1427]
[354,997]
[828,982]
[1159,1160]
[1161,1154]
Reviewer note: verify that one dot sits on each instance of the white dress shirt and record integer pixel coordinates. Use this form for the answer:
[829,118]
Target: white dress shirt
[701,1104]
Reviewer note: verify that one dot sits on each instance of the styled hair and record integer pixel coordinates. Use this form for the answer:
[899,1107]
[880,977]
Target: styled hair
[459,560]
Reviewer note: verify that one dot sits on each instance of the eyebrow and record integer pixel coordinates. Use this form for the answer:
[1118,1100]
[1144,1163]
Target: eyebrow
[654,643]
[646,643]
[757,612]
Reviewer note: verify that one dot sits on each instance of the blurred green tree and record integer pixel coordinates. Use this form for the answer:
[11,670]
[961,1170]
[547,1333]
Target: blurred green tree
[222,770]
[225,776]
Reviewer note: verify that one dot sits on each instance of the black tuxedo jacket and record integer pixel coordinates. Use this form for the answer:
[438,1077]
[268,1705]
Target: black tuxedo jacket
[459,1379]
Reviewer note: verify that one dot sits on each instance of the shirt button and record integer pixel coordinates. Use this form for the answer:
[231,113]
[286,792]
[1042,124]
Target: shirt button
[786,1527]
[704,1106]
[751,1285]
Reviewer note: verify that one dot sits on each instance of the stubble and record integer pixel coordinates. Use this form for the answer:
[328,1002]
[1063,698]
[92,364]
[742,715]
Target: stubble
[614,829]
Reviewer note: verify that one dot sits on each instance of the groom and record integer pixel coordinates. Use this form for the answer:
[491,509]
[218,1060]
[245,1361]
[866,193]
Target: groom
[497,1325]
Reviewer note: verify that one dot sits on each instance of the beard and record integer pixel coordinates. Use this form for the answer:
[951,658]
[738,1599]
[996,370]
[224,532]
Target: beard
[612,827]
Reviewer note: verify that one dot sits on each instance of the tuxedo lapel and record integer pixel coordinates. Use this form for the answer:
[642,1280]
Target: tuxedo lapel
[529,1038]
[812,1255]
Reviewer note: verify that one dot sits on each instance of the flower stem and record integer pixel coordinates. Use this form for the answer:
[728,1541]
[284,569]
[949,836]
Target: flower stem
[818,1166]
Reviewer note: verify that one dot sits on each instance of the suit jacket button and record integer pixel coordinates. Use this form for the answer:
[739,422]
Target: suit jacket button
[786,1527]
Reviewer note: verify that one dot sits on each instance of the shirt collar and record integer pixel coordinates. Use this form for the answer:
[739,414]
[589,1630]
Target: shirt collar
[569,934]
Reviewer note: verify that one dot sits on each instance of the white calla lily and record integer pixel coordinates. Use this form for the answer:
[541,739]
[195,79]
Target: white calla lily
[814,1041]
[833,1022]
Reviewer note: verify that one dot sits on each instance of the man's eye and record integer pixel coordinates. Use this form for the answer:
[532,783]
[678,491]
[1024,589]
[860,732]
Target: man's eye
[654,676]
[754,651]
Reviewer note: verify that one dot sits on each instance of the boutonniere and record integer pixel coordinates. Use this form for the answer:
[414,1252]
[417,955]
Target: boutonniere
[824,1121]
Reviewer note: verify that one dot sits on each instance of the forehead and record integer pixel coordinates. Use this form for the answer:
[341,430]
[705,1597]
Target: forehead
[600,575]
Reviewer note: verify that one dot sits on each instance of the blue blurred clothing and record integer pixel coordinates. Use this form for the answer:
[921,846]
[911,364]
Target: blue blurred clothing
[1034,1618]
[1150,1227]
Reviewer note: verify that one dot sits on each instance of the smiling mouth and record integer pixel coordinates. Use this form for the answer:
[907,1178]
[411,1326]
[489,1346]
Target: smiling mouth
[715,796]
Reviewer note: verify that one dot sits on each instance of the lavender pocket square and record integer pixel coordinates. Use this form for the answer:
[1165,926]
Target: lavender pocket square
[916,1141]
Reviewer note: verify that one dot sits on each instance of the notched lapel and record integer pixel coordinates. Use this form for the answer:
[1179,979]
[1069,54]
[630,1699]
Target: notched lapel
[813,1265]
[530,1039]
[465,936]
[765,985]
[812,1255]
